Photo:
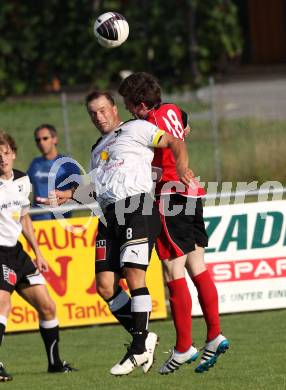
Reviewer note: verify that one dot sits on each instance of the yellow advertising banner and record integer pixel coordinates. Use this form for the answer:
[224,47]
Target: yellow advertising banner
[70,253]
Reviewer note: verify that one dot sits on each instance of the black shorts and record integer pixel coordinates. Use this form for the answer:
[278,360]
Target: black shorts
[17,269]
[181,232]
[130,244]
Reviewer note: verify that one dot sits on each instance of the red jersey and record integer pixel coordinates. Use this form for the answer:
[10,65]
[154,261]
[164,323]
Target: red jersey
[170,118]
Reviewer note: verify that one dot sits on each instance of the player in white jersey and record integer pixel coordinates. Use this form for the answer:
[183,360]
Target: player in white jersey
[121,173]
[17,271]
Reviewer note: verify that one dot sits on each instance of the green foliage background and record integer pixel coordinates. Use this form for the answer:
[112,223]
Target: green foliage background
[177,40]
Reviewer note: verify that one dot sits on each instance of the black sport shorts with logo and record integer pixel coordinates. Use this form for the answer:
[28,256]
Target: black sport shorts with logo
[183,230]
[17,269]
[127,238]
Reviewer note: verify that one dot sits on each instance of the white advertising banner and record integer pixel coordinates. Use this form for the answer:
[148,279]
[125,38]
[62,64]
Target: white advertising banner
[246,256]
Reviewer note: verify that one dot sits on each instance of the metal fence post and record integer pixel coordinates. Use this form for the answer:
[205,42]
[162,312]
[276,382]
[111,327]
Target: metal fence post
[66,123]
[215,135]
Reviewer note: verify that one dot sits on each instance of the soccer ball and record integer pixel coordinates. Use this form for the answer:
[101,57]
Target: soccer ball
[111,29]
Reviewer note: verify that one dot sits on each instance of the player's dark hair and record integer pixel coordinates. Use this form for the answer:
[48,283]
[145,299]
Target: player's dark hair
[6,139]
[139,88]
[97,94]
[52,130]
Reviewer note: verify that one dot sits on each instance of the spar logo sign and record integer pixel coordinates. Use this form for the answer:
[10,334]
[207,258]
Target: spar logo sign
[246,256]
[233,271]
[246,241]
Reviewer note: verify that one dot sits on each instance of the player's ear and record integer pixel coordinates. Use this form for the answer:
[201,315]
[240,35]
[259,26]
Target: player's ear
[115,110]
[55,140]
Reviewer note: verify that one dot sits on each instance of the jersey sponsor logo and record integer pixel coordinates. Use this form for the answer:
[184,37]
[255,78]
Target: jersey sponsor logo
[16,216]
[104,155]
[9,275]
[115,165]
[6,206]
[100,250]
[110,143]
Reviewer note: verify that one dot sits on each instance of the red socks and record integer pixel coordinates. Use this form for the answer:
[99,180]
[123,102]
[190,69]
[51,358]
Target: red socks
[208,298]
[181,307]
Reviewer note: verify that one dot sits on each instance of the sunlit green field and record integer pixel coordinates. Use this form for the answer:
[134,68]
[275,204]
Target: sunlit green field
[255,361]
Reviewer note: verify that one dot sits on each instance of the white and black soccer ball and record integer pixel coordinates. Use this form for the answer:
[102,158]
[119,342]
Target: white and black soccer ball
[111,29]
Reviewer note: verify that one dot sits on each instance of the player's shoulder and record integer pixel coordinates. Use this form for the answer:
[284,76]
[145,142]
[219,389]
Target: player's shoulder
[129,121]
[135,124]
[167,111]
[96,144]
[18,174]
[164,107]
[21,177]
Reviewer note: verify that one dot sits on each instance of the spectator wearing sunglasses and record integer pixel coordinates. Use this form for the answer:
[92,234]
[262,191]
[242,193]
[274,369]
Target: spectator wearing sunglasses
[40,173]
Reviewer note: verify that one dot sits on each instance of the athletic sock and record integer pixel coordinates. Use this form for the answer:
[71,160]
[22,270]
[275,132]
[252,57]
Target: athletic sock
[208,298]
[50,334]
[120,306]
[141,307]
[3,322]
[181,307]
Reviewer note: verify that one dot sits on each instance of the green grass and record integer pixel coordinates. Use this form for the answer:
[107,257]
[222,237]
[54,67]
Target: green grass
[255,361]
[249,149]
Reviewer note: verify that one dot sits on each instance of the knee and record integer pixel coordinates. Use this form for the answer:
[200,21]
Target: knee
[168,272]
[105,290]
[173,270]
[5,307]
[136,278]
[47,310]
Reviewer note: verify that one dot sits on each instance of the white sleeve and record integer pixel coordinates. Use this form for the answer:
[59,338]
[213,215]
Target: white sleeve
[26,193]
[148,133]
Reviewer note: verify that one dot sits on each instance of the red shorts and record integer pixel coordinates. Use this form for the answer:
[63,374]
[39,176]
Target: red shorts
[181,230]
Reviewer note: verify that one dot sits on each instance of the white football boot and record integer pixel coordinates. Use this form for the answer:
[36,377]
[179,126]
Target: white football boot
[212,350]
[176,359]
[152,340]
[129,363]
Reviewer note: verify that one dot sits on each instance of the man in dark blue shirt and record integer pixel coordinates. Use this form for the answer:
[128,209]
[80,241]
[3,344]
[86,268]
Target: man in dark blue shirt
[40,172]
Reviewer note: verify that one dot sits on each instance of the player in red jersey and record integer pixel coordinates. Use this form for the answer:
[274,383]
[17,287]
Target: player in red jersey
[183,238]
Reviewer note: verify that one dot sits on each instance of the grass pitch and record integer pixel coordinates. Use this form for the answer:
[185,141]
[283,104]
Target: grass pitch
[255,361]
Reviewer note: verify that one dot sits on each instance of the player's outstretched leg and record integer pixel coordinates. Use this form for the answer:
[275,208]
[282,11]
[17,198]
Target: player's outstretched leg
[211,352]
[176,359]
[136,355]
[4,376]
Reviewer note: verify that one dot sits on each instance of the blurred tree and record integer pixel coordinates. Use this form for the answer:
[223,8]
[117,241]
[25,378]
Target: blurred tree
[51,43]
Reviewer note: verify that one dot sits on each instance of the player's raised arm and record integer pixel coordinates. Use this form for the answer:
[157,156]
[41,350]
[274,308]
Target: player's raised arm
[180,152]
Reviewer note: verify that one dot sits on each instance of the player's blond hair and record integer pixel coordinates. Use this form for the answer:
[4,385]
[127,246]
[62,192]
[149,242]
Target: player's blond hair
[6,139]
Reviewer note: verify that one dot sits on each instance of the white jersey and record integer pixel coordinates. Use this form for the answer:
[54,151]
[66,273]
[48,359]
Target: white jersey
[14,201]
[121,161]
